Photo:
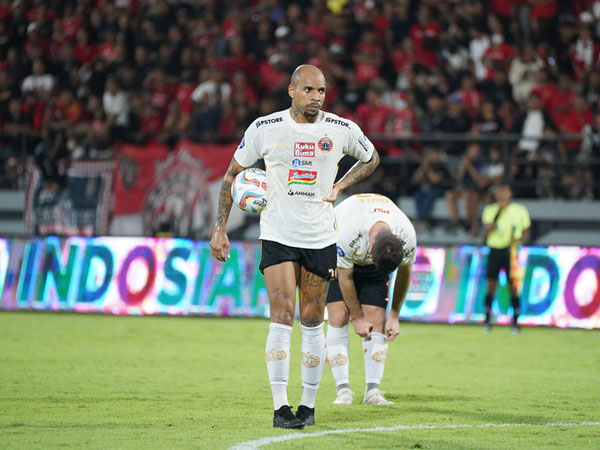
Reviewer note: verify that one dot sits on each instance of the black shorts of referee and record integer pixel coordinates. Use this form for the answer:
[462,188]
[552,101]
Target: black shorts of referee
[372,286]
[498,259]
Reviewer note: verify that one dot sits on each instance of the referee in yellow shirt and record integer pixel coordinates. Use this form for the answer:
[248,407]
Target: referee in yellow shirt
[506,226]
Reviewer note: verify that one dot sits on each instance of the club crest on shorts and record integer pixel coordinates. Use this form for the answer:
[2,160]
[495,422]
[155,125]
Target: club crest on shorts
[325,144]
[309,360]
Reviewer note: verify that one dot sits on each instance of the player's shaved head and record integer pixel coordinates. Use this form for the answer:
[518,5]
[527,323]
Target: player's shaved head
[304,71]
[307,89]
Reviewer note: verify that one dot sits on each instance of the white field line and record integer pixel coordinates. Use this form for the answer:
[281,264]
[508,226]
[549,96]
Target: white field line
[258,443]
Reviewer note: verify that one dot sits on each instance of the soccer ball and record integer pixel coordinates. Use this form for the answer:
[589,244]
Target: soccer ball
[248,190]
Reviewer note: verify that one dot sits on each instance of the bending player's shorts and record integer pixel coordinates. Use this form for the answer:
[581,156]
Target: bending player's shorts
[498,258]
[321,262]
[371,284]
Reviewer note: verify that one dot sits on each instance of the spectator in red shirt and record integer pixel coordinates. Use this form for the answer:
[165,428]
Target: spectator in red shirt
[242,90]
[183,92]
[70,108]
[470,97]
[373,116]
[405,57]
[237,59]
[426,34]
[403,121]
[161,90]
[575,120]
[546,88]
[543,17]
[498,56]
[151,122]
[560,100]
[84,52]
[368,57]
[107,48]
[315,26]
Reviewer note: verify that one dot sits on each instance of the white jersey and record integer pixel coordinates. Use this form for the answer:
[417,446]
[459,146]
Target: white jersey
[355,217]
[301,163]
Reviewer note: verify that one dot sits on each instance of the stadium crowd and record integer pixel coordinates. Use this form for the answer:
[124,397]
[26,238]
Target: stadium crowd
[77,78]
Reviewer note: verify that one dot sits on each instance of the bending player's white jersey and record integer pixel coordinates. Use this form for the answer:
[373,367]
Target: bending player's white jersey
[355,217]
[301,163]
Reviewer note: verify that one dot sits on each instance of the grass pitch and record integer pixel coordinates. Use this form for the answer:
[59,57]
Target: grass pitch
[72,381]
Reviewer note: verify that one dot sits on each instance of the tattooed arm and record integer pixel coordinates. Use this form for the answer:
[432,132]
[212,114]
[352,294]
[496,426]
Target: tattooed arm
[357,172]
[219,242]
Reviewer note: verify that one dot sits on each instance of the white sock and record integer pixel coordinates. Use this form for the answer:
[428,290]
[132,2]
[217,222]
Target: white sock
[277,354]
[313,358]
[375,354]
[338,354]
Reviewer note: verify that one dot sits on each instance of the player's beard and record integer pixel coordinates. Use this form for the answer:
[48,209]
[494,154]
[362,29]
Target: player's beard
[309,115]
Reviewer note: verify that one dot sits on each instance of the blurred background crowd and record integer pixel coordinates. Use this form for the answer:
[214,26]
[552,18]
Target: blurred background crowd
[78,78]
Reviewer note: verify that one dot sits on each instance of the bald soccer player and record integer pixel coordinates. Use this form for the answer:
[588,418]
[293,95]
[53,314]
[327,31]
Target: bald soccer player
[301,147]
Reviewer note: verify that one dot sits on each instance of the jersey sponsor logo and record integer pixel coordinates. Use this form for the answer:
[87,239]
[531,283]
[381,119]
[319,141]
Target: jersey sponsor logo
[343,123]
[364,143]
[306,177]
[380,211]
[304,149]
[301,163]
[291,193]
[242,143]
[325,144]
[260,123]
[340,251]
[355,241]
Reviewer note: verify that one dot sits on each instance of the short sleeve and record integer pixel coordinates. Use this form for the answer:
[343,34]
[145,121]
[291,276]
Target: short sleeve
[526,219]
[488,214]
[250,149]
[359,146]
[410,248]
[344,260]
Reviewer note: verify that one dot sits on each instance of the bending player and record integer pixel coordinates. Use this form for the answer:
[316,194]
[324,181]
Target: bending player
[301,147]
[375,238]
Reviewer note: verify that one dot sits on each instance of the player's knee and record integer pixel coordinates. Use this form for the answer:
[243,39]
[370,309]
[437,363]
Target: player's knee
[338,317]
[311,321]
[283,317]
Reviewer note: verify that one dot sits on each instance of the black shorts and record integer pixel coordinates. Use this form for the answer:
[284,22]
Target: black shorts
[372,287]
[321,261]
[498,258]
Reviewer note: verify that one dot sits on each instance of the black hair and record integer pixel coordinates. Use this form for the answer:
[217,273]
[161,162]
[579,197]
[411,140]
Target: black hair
[387,252]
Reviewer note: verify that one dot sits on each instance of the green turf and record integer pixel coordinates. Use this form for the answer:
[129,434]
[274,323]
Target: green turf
[172,382]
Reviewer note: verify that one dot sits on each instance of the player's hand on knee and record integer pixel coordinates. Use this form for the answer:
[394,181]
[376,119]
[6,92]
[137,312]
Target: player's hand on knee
[219,245]
[362,327]
[392,328]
